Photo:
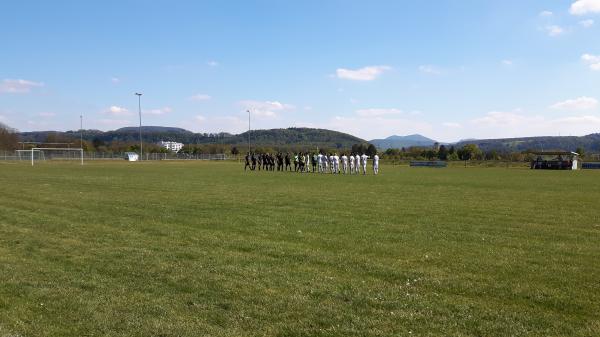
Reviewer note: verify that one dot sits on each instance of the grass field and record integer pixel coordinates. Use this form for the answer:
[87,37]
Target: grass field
[204,249]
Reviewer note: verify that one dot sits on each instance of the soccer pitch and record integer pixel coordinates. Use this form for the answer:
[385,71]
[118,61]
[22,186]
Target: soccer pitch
[204,248]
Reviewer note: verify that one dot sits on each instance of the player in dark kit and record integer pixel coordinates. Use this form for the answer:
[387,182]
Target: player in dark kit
[288,163]
[247,161]
[253,162]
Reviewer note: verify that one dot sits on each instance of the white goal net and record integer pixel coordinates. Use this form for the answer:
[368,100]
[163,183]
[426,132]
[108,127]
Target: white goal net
[54,153]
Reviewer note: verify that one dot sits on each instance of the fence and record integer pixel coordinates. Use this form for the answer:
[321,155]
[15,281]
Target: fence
[25,155]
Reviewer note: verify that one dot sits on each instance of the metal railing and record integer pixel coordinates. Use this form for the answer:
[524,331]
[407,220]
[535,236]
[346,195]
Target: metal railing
[25,155]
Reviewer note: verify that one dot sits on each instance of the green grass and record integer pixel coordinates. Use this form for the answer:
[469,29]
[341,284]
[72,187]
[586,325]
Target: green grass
[204,249]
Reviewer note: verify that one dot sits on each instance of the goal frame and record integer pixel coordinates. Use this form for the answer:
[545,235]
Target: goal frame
[55,149]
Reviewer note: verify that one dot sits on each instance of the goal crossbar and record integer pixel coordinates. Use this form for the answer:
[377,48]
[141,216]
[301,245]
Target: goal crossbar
[55,149]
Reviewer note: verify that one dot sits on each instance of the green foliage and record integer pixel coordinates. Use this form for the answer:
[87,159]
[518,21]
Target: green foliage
[9,138]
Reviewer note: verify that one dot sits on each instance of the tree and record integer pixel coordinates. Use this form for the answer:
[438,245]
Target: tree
[371,150]
[581,151]
[9,139]
[234,150]
[469,151]
[443,153]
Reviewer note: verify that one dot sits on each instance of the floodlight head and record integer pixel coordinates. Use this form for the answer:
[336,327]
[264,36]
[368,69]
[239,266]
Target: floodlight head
[139,94]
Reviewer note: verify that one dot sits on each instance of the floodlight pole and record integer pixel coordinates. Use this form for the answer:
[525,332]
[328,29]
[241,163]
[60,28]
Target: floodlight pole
[139,95]
[248,131]
[81,130]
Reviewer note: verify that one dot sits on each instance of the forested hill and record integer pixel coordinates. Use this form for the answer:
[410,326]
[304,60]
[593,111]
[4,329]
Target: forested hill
[304,137]
[590,143]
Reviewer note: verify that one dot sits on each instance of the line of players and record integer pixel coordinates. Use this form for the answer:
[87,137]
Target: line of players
[321,163]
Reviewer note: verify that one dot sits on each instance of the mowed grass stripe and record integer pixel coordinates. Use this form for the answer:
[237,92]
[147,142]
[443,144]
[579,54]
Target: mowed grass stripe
[189,248]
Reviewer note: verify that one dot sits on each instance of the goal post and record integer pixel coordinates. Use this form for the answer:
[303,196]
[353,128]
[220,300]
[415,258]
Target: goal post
[41,149]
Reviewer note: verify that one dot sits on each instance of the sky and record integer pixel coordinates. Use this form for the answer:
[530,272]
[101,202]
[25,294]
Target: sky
[446,69]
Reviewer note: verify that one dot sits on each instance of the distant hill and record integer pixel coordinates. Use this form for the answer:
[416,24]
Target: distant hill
[302,137]
[397,142]
[590,143]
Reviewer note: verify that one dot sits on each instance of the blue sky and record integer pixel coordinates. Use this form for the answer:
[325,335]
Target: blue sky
[445,69]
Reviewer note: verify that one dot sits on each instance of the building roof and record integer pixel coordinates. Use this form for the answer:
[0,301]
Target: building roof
[555,153]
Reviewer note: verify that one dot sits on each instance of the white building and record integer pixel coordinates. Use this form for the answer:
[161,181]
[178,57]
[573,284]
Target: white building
[171,146]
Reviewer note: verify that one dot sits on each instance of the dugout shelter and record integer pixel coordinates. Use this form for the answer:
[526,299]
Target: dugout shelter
[555,160]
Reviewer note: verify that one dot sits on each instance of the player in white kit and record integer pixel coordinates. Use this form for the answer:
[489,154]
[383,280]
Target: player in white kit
[364,158]
[357,166]
[320,162]
[351,164]
[345,163]
[336,164]
[375,164]
[326,161]
[331,164]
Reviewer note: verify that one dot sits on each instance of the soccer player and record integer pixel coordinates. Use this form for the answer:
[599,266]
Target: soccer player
[375,164]
[253,162]
[331,164]
[326,161]
[336,160]
[314,162]
[351,164]
[357,166]
[287,162]
[364,158]
[320,162]
[296,162]
[247,161]
[345,163]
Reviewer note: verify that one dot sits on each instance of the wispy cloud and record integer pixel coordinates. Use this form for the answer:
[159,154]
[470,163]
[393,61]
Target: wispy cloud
[507,62]
[266,108]
[18,86]
[546,13]
[554,30]
[212,63]
[157,112]
[593,61]
[452,125]
[586,23]
[117,111]
[583,7]
[115,80]
[430,69]
[199,97]
[377,112]
[369,73]
[580,103]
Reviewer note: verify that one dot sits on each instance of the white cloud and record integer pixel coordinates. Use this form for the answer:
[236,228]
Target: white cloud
[214,124]
[199,97]
[117,111]
[269,109]
[592,60]
[115,80]
[430,69]
[212,63]
[582,7]
[46,114]
[554,30]
[377,127]
[377,112]
[369,73]
[160,111]
[580,103]
[507,63]
[18,86]
[586,23]
[498,124]
[504,119]
[546,13]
